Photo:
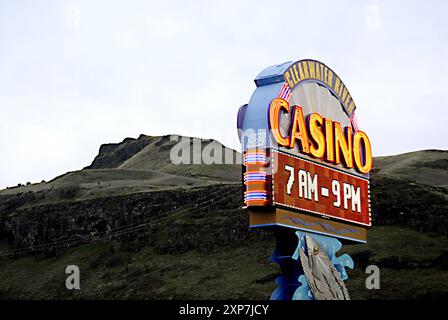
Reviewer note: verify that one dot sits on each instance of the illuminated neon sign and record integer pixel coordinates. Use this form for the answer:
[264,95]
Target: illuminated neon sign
[306,163]
[321,137]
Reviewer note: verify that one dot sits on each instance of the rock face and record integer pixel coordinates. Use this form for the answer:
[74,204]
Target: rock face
[170,221]
[111,155]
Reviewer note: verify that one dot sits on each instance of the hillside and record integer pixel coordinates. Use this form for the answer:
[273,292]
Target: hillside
[411,189]
[131,166]
[142,228]
[428,167]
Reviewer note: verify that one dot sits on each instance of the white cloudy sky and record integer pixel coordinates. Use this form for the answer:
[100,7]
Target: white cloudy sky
[76,74]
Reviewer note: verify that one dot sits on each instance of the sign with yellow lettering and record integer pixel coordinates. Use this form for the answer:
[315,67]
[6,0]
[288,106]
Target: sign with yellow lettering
[306,163]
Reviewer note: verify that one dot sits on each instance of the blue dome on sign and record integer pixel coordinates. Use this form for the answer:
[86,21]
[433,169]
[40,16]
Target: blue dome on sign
[272,74]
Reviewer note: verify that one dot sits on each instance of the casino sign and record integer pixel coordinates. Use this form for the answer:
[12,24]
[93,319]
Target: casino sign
[306,164]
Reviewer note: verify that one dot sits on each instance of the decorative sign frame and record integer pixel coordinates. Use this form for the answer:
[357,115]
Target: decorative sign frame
[305,162]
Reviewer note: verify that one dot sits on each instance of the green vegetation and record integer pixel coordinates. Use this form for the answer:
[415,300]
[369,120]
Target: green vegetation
[412,265]
[201,247]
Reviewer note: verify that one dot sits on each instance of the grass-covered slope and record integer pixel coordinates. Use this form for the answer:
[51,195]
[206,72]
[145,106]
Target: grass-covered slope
[141,227]
[412,265]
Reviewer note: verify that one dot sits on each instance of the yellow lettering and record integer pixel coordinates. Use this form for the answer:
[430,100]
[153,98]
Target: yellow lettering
[312,69]
[298,131]
[358,152]
[315,122]
[343,144]
[277,105]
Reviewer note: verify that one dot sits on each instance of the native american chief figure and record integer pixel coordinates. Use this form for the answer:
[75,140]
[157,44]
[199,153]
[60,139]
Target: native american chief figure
[323,279]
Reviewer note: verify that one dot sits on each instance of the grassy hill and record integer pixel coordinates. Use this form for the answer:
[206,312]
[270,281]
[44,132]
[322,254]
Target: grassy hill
[153,153]
[131,166]
[140,227]
[428,167]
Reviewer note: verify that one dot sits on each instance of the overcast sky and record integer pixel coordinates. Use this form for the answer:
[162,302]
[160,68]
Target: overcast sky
[76,74]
